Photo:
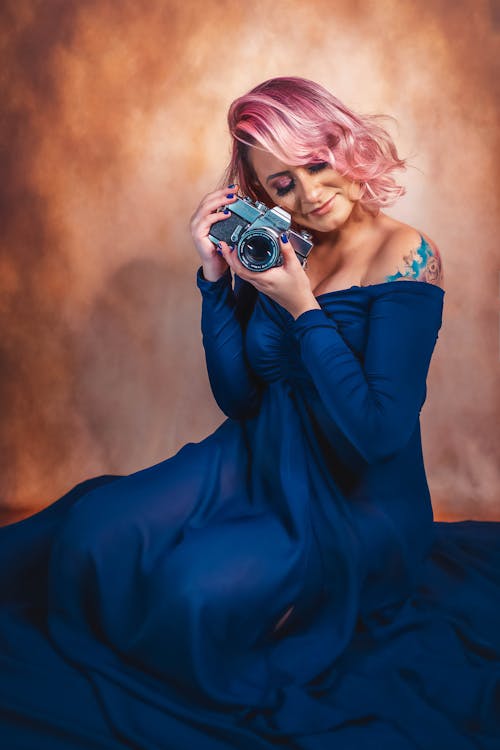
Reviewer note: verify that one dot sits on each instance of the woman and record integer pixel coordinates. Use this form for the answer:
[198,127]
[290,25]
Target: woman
[281,582]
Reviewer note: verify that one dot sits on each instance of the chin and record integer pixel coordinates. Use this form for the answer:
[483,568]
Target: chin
[330,221]
[324,224]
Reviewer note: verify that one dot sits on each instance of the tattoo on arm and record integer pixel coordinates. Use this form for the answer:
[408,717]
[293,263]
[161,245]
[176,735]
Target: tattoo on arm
[422,264]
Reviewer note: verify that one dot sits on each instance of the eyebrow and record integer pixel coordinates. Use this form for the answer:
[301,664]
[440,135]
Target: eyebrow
[277,174]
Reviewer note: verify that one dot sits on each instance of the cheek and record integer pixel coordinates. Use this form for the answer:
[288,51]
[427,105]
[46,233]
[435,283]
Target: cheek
[288,202]
[270,198]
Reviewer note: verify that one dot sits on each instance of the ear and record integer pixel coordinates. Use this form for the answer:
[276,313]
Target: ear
[356,190]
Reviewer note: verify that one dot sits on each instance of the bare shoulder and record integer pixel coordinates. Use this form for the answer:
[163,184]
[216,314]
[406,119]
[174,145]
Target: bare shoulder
[410,255]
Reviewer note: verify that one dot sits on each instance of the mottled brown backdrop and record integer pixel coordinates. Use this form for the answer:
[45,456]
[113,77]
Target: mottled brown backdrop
[113,127]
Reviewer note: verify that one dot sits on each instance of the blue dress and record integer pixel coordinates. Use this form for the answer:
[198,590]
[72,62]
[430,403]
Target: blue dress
[141,611]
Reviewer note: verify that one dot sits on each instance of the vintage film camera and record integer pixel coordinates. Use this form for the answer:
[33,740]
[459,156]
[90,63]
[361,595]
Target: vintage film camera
[254,229]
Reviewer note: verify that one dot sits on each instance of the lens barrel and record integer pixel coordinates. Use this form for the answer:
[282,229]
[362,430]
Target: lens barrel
[258,249]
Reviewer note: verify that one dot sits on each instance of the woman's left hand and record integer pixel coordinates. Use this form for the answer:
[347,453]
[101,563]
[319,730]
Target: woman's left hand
[288,284]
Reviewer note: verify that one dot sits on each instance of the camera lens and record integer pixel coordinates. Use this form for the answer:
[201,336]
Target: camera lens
[258,251]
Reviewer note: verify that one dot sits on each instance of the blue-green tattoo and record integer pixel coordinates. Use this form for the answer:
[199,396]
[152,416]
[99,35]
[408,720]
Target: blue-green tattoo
[422,264]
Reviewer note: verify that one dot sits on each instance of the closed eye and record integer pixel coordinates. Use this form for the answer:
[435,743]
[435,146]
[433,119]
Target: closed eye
[316,167]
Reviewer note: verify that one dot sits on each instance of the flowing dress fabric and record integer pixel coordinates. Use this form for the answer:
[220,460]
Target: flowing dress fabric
[142,611]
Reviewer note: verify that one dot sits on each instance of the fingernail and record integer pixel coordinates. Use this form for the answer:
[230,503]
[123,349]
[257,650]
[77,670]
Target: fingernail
[231,248]
[230,195]
[284,238]
[226,211]
[231,186]
[219,252]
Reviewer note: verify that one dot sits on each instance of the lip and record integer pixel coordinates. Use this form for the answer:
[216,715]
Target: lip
[322,209]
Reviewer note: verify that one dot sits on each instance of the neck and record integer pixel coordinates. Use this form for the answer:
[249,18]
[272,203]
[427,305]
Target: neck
[347,238]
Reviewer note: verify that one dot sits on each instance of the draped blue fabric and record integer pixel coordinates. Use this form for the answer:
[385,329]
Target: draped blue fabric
[141,611]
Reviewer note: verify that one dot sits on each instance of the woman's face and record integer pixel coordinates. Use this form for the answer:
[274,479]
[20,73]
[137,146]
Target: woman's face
[315,195]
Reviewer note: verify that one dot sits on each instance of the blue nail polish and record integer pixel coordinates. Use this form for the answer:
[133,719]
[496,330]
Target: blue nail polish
[226,211]
[230,195]
[219,252]
[230,186]
[231,248]
[284,238]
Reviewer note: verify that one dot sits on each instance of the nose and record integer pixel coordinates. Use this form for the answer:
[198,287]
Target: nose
[310,191]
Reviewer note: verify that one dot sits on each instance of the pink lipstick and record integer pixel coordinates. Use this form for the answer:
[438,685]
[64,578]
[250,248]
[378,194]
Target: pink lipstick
[322,209]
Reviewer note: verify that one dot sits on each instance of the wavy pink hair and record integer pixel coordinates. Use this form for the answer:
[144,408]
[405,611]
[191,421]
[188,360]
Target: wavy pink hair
[300,122]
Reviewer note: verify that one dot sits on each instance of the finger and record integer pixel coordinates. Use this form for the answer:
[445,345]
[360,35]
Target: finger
[212,218]
[201,228]
[287,250]
[215,212]
[219,192]
[219,198]
[223,249]
[230,254]
[226,189]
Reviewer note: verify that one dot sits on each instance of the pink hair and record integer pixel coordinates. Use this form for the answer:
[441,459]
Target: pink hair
[300,122]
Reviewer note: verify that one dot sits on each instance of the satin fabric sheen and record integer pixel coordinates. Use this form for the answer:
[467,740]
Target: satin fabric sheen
[140,611]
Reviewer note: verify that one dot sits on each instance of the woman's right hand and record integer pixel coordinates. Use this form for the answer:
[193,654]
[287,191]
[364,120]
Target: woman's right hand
[214,265]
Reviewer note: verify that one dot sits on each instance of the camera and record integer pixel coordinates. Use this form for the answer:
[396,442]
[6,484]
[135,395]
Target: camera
[255,229]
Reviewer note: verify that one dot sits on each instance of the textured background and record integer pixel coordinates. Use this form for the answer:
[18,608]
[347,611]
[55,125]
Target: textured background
[113,128]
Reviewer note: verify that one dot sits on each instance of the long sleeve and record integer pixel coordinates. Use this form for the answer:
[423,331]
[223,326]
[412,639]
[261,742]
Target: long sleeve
[374,401]
[224,314]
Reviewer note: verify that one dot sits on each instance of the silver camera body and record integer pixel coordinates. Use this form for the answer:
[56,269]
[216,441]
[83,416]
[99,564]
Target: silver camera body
[255,229]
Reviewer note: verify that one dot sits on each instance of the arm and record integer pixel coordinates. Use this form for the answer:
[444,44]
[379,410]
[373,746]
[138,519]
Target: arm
[421,261]
[224,316]
[375,402]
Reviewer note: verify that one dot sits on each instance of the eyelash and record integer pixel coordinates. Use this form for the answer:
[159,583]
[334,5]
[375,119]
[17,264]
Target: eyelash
[312,168]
